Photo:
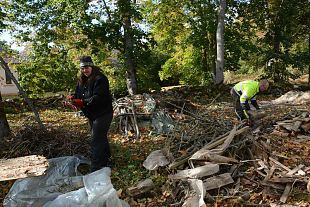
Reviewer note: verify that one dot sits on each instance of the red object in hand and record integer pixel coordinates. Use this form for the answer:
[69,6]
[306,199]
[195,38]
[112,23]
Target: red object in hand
[78,103]
[66,103]
[69,97]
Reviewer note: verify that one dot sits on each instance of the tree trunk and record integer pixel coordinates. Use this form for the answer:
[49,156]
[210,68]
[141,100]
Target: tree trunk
[129,62]
[219,71]
[129,47]
[4,126]
[309,65]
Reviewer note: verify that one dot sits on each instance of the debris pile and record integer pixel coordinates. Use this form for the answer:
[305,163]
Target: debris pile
[203,164]
[128,109]
[205,156]
[293,97]
[277,176]
[297,126]
[138,113]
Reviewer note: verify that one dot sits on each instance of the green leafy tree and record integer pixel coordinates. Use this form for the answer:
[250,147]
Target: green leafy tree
[185,31]
[277,29]
[60,30]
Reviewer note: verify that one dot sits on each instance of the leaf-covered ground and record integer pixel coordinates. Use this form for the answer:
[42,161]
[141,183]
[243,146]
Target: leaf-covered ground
[68,134]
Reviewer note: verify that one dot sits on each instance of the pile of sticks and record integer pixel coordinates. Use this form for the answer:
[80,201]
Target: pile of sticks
[203,163]
[280,177]
[297,126]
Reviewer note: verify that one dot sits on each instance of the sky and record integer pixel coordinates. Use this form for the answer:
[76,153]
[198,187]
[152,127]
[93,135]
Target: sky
[5,36]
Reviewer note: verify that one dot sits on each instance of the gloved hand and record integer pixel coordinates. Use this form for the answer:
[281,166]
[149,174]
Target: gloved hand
[247,116]
[69,104]
[78,103]
[249,122]
[70,97]
[66,103]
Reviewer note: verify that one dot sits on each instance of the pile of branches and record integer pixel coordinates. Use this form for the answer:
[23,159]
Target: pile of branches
[298,125]
[191,132]
[53,142]
[203,164]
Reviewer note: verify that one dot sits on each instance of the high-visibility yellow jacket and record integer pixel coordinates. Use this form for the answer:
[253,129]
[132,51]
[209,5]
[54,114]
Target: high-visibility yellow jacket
[247,90]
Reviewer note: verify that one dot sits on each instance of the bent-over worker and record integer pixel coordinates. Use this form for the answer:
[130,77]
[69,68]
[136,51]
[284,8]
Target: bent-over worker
[246,91]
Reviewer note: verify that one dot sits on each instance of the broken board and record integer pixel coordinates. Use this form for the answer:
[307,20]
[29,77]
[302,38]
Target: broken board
[21,167]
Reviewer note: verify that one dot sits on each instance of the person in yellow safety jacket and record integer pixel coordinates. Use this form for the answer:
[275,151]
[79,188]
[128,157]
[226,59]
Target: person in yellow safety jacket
[246,91]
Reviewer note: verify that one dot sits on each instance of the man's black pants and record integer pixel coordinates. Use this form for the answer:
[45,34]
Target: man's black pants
[100,148]
[237,105]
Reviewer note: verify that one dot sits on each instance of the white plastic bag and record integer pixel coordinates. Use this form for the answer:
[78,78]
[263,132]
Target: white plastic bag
[63,185]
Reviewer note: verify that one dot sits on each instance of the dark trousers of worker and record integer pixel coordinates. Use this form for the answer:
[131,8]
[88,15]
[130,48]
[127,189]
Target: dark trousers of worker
[100,148]
[237,105]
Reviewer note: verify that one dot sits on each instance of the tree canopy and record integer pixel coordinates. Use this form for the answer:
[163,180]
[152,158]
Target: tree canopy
[144,44]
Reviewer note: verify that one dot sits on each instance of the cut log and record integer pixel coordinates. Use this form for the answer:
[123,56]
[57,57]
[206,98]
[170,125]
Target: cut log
[142,187]
[256,115]
[218,181]
[22,167]
[197,172]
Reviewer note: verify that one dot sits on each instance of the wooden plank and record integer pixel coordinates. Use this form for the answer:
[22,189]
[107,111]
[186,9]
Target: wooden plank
[218,181]
[273,185]
[295,170]
[286,192]
[197,172]
[211,144]
[270,173]
[288,127]
[302,138]
[225,141]
[21,167]
[210,156]
[286,179]
[296,126]
[279,164]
